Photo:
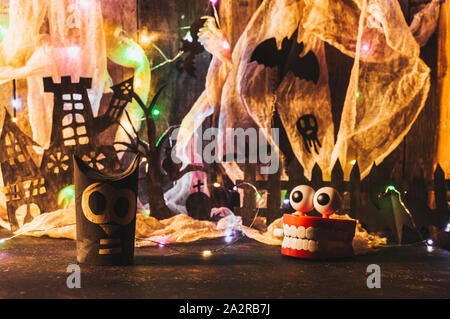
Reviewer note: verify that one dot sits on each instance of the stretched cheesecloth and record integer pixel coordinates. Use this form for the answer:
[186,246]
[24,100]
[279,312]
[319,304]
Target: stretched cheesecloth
[60,38]
[391,80]
[72,43]
[387,89]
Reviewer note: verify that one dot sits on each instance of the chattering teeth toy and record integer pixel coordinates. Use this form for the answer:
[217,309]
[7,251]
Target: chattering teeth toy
[316,237]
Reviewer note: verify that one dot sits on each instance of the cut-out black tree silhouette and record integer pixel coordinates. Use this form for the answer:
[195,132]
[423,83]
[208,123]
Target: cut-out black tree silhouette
[152,152]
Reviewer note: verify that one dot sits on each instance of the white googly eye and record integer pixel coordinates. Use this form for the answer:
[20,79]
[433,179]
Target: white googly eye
[301,198]
[327,201]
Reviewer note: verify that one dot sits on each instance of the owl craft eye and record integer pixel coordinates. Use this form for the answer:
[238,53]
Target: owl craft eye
[327,201]
[121,207]
[301,199]
[97,203]
[124,207]
[94,204]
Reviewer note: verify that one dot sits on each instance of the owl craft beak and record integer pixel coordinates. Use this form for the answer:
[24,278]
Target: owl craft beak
[110,251]
[109,246]
[109,229]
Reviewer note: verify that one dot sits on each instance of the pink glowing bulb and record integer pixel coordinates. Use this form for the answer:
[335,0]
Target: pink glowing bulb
[73,51]
[84,3]
[213,2]
[226,45]
[162,241]
[16,103]
[365,48]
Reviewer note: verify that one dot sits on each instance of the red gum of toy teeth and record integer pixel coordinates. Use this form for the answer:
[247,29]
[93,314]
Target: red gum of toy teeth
[335,236]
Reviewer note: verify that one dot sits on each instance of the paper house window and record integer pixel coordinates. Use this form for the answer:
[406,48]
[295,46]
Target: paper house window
[123,94]
[58,162]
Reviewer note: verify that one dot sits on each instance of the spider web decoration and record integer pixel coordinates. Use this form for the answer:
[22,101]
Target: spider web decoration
[75,131]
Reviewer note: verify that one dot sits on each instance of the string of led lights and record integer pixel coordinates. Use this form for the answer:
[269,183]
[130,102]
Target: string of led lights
[429,243]
[3,240]
[208,253]
[16,102]
[69,191]
[216,15]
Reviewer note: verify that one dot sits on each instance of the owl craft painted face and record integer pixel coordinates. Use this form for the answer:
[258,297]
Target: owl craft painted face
[316,237]
[105,214]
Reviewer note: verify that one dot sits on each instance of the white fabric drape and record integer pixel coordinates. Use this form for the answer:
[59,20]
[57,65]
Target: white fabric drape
[53,38]
[387,90]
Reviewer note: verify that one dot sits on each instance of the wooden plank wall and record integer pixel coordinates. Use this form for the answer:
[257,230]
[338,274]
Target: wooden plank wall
[166,19]
[234,17]
[417,154]
[444,88]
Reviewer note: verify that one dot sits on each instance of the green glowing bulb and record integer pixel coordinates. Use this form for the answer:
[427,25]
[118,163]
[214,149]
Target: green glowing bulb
[134,54]
[258,196]
[3,32]
[358,94]
[156,112]
[390,188]
[66,195]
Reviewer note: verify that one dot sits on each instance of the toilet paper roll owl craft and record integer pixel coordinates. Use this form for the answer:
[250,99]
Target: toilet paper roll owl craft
[105,214]
[316,237]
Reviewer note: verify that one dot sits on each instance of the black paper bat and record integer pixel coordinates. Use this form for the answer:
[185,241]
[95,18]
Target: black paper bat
[192,48]
[288,58]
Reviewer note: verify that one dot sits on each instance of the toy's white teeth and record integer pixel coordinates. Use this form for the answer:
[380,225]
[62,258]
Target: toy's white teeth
[301,238]
[300,244]
[300,232]
[313,233]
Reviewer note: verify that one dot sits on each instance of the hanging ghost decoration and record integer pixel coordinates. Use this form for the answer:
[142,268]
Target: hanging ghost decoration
[388,84]
[53,38]
[105,214]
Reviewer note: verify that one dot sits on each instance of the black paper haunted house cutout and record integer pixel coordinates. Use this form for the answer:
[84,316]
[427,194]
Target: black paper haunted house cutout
[21,176]
[74,131]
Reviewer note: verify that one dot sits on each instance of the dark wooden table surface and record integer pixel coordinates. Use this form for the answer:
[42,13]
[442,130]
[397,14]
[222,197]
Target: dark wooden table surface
[36,268]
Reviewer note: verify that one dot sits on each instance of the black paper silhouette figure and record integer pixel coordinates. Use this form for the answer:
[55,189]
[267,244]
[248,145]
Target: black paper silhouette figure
[123,94]
[74,131]
[105,214]
[308,128]
[23,184]
[199,204]
[192,48]
[288,58]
